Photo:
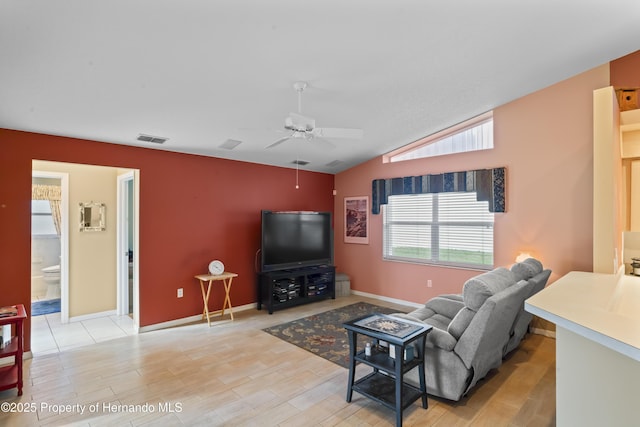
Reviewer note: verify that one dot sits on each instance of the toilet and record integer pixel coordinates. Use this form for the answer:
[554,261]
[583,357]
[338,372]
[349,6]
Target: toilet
[51,276]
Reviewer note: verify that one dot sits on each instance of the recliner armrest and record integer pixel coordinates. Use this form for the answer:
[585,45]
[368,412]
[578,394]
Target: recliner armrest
[436,338]
[407,317]
[441,339]
[446,306]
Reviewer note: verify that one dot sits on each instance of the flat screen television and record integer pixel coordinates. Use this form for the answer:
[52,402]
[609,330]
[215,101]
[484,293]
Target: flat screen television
[292,239]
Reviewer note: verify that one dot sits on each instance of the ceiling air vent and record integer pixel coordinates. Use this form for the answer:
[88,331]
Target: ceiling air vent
[230,144]
[300,162]
[155,139]
[334,163]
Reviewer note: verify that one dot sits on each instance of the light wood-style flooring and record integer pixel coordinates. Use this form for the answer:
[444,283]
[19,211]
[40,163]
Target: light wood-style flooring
[233,374]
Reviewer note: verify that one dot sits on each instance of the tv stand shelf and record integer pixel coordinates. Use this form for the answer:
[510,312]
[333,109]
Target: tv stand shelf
[287,288]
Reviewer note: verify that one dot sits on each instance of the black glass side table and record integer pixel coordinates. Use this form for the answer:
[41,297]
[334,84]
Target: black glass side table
[398,347]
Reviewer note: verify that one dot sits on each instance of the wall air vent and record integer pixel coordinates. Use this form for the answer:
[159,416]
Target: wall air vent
[155,139]
[300,162]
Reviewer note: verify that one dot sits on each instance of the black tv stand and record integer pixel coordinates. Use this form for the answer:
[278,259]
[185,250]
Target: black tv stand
[287,288]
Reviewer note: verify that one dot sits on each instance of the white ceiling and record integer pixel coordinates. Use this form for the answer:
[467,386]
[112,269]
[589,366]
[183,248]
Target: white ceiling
[200,72]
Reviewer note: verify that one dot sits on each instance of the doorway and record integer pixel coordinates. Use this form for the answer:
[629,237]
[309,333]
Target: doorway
[50,243]
[89,281]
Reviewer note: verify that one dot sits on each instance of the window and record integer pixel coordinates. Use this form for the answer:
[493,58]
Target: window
[439,228]
[472,135]
[41,218]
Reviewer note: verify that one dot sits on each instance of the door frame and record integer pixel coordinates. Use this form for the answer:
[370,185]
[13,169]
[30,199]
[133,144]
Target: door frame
[122,247]
[64,238]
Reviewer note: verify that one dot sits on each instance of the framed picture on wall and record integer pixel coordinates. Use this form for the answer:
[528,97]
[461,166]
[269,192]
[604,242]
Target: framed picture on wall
[356,219]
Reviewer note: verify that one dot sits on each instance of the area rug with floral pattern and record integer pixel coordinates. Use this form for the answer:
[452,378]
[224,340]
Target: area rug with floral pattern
[323,334]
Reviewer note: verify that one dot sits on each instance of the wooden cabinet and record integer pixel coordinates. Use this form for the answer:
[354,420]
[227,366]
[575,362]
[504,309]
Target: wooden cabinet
[11,375]
[287,288]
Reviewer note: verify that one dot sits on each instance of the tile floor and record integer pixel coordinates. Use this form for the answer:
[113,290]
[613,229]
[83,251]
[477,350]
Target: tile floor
[234,374]
[49,335]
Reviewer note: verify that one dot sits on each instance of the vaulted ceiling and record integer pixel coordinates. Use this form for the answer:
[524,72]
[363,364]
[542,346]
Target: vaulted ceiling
[205,72]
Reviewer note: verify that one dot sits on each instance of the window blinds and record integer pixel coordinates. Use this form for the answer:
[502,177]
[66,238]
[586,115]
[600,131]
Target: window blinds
[442,228]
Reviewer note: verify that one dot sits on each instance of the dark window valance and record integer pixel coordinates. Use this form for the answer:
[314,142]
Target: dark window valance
[488,184]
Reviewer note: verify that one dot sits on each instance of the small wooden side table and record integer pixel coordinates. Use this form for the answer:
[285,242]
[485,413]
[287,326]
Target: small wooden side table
[226,278]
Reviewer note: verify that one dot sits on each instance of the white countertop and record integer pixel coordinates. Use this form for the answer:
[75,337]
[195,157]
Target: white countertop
[602,307]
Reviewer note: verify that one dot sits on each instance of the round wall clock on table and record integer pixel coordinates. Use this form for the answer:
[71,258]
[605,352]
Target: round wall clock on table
[216,267]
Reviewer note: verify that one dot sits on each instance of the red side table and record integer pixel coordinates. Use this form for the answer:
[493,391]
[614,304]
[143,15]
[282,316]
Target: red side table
[11,375]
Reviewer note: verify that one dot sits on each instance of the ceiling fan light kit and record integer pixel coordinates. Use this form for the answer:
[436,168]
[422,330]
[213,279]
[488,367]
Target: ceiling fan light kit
[299,123]
[299,86]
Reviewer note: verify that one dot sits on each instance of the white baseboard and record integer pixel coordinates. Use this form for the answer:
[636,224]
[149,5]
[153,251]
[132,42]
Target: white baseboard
[198,317]
[92,316]
[170,323]
[544,332]
[190,319]
[387,299]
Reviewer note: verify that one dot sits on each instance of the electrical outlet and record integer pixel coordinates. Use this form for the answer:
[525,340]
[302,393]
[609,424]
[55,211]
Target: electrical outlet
[180,293]
[429,284]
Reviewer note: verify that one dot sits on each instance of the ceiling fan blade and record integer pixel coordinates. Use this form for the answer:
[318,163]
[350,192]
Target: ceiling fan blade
[280,141]
[338,133]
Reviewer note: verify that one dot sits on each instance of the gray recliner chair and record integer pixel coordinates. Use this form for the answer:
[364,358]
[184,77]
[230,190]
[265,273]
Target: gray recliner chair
[530,269]
[471,332]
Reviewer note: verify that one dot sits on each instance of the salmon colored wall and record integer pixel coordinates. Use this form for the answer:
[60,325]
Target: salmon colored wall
[192,209]
[545,142]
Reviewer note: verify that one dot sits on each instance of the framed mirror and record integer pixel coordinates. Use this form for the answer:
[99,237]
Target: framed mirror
[92,216]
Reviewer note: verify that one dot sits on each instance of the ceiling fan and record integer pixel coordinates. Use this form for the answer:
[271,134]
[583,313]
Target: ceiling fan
[303,127]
